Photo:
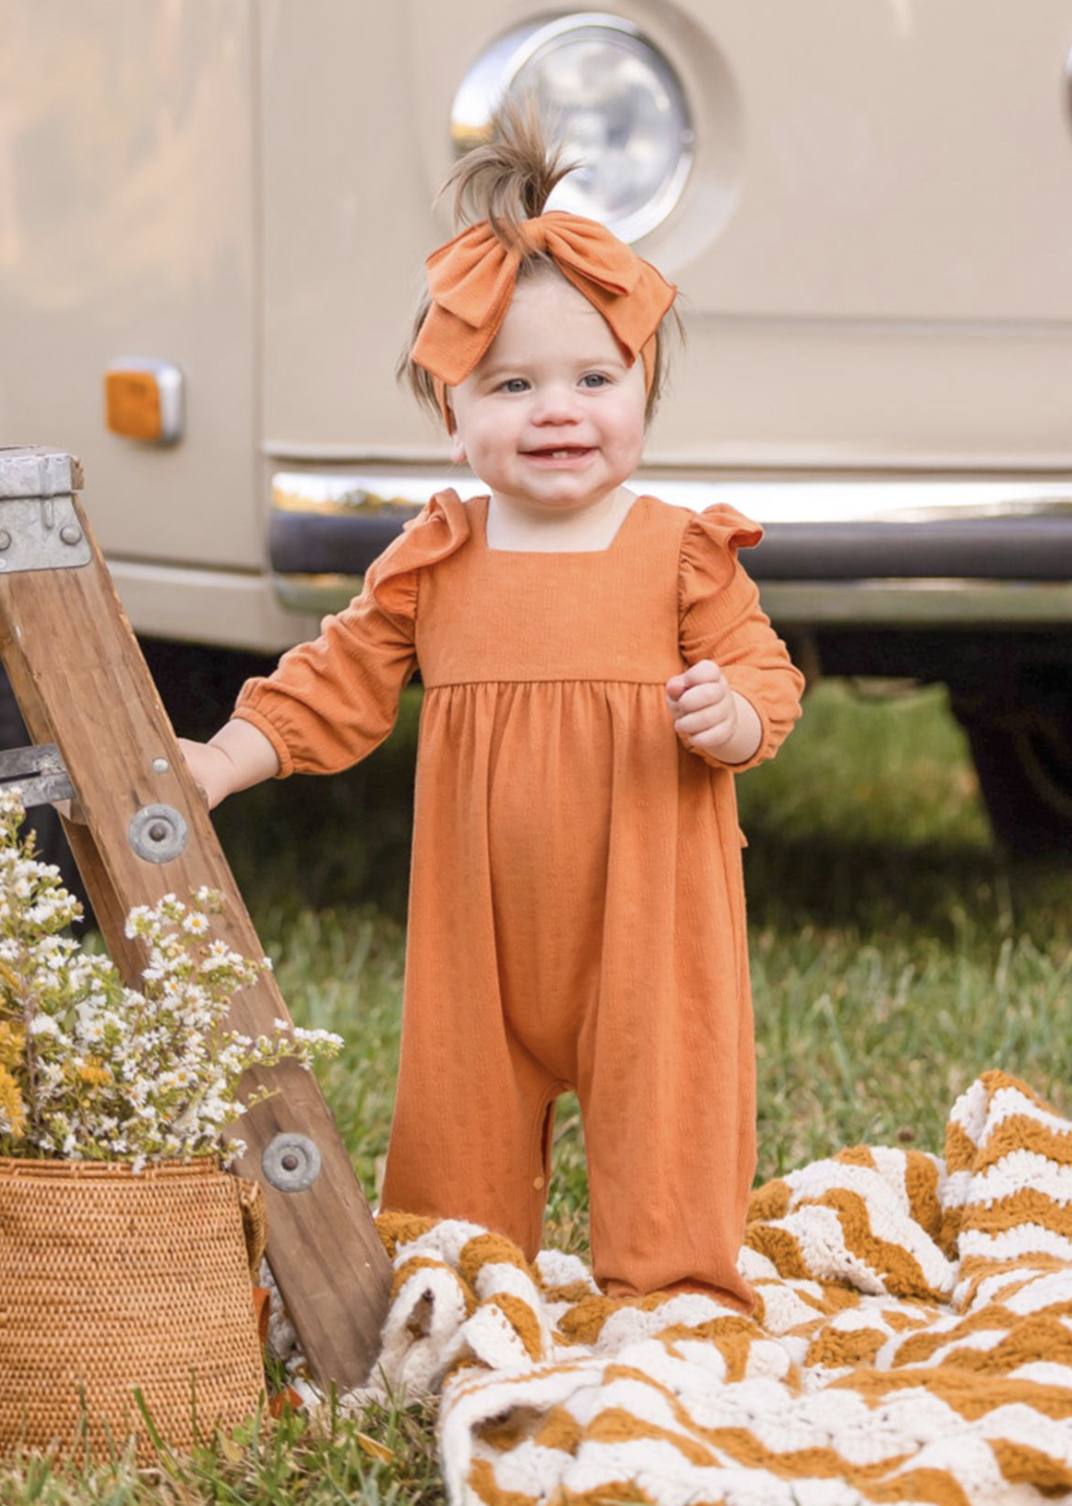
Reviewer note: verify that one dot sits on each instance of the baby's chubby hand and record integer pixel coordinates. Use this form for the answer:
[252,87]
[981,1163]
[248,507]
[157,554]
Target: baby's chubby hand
[211,768]
[236,757]
[703,707]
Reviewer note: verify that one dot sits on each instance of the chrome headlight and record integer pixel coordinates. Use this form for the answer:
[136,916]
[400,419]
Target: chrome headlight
[609,97]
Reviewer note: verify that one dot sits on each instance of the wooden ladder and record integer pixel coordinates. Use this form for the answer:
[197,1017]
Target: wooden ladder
[139,829]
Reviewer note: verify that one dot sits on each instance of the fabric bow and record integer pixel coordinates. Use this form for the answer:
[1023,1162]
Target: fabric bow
[472,278]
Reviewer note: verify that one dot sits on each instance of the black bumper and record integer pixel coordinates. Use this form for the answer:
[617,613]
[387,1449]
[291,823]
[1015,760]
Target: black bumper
[1008,548]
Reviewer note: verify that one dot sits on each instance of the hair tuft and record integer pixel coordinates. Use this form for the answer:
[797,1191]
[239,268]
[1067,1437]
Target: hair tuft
[510,177]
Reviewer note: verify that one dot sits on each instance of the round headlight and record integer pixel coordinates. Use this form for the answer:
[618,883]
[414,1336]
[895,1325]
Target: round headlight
[609,97]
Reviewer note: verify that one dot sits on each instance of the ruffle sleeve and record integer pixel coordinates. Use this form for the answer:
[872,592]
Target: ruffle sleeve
[721,619]
[434,534]
[332,701]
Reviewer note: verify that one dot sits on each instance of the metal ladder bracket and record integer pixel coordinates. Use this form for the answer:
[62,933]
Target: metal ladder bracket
[39,525]
[39,773]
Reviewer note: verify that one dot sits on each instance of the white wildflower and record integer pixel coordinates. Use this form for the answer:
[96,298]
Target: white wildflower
[118,1072]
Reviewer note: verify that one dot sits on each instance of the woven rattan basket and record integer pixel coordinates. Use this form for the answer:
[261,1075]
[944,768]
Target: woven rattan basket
[112,1282]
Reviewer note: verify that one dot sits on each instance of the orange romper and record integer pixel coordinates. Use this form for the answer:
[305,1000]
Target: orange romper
[576,906]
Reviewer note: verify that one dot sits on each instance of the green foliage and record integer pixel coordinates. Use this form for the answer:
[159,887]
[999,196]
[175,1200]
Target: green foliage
[894,953]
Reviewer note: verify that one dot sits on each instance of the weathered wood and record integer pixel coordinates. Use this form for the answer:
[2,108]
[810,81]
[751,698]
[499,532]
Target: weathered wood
[82,683]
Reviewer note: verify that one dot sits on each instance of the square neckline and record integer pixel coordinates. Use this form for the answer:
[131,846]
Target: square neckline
[482,505]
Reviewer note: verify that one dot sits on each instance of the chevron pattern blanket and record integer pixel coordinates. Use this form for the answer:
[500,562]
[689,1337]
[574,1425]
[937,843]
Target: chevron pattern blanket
[912,1341]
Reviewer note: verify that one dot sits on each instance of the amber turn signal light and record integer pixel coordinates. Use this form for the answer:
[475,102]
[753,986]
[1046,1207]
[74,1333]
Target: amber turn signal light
[143,400]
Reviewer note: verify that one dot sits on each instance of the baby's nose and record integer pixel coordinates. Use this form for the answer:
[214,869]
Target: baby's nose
[554,405]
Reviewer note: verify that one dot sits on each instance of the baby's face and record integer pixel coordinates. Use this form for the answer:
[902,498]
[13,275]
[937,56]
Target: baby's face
[552,419]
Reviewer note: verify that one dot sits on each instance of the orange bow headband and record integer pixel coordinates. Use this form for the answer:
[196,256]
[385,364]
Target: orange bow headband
[472,278]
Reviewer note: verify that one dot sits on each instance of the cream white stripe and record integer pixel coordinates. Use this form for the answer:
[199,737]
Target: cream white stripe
[1023,1171]
[1014,1244]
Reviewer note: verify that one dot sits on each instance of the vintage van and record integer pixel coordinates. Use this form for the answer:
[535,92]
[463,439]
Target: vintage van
[213,216]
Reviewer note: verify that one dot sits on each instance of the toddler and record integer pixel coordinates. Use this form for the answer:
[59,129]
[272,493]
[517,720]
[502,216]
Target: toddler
[596,667]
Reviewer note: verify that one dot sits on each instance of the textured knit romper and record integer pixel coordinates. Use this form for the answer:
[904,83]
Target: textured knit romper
[576,909]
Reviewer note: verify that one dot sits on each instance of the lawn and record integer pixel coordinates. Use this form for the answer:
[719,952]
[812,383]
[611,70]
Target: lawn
[895,954]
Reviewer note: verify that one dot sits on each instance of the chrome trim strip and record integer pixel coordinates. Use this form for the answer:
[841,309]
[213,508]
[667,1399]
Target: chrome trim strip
[787,500]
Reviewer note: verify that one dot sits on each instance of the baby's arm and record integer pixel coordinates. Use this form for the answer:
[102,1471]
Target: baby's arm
[235,758]
[710,716]
[741,684]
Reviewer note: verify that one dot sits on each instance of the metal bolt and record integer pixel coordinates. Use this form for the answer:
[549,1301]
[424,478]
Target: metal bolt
[160,766]
[5,539]
[291,1162]
[70,533]
[157,833]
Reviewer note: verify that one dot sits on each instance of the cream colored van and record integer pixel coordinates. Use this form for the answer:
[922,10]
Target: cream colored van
[213,218]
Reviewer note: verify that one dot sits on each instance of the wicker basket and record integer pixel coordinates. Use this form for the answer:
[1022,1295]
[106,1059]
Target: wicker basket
[111,1282]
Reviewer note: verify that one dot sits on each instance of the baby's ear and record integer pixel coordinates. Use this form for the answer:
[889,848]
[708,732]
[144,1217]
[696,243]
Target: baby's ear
[457,448]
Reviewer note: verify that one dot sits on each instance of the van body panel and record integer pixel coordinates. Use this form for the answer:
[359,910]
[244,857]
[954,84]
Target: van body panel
[127,229]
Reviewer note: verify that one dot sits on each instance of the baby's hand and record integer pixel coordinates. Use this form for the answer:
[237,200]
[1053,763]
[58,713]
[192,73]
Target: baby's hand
[703,707]
[237,756]
[212,770]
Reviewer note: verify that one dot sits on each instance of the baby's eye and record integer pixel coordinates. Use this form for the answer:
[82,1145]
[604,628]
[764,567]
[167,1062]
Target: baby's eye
[594,379]
[515,384]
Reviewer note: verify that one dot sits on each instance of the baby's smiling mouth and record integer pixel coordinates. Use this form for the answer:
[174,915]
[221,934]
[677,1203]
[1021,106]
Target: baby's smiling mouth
[559,452]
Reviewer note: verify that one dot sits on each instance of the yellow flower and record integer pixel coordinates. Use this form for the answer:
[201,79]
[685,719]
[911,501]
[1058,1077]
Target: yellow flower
[95,1074]
[12,1043]
[88,1071]
[11,1104]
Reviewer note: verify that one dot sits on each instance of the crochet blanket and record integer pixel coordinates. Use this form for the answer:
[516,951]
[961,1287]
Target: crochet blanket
[912,1341]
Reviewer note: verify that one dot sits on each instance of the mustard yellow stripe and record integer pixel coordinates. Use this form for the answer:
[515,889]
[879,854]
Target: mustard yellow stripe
[899,1269]
[814,1463]
[417,1263]
[482,1483]
[1020,1133]
[1038,1337]
[397,1229]
[962,1391]
[781,1249]
[995,1080]
[732,1337]
[523,1321]
[1026,1206]
[613,1493]
[857,1155]
[921,1185]
[576,1291]
[583,1323]
[489,1249]
[960,1148]
[560,1430]
[616,1425]
[900,1321]
[837,1347]
[1023,1465]
[769,1202]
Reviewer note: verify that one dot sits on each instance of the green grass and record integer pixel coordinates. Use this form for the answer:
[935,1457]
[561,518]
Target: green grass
[895,954]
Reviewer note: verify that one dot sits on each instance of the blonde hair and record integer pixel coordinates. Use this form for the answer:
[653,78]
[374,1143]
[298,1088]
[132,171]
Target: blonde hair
[505,181]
